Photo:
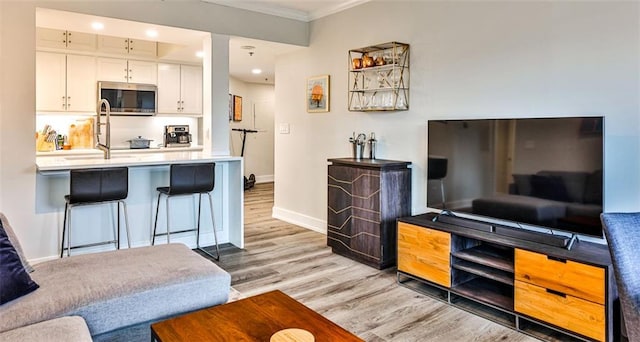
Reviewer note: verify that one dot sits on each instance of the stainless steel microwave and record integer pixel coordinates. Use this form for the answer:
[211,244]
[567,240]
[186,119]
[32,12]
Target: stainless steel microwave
[129,98]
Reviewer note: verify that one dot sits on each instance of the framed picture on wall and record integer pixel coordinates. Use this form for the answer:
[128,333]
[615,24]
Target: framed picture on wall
[230,107]
[318,94]
[237,108]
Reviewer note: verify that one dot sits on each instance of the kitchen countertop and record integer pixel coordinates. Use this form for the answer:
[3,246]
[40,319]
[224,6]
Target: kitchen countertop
[65,163]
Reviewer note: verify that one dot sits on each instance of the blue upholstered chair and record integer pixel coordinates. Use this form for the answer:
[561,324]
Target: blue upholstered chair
[623,234]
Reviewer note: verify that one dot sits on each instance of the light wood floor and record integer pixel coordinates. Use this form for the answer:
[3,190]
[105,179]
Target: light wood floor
[363,300]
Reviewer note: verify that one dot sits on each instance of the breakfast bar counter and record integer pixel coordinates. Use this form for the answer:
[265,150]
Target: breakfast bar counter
[126,158]
[147,171]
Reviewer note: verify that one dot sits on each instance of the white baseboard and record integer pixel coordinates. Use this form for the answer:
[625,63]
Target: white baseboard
[298,219]
[264,179]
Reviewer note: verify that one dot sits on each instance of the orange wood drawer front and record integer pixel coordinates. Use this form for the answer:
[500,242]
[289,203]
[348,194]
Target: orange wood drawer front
[568,312]
[569,277]
[424,253]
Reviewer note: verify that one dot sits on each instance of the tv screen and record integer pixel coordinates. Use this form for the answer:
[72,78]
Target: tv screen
[543,172]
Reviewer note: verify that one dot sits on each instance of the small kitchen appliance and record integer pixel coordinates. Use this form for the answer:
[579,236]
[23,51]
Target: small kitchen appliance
[177,136]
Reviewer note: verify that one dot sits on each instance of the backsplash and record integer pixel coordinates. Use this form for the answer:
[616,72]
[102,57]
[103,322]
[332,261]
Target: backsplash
[124,128]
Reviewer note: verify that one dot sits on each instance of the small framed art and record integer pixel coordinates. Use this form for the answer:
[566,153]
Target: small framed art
[237,108]
[318,94]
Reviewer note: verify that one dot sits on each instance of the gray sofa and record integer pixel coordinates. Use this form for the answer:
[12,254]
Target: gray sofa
[548,198]
[114,295]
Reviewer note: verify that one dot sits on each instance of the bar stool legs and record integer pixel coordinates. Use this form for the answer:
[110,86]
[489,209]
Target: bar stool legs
[197,229]
[66,228]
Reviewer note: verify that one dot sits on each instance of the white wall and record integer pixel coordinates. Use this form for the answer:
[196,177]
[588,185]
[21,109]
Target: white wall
[17,82]
[469,59]
[258,113]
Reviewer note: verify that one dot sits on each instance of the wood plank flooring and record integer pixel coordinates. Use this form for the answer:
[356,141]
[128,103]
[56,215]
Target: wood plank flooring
[361,299]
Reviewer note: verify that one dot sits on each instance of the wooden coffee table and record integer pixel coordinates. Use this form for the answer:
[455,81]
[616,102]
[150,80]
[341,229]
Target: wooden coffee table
[251,319]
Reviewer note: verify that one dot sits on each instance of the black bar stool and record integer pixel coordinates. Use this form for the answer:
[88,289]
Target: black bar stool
[96,186]
[189,179]
[437,170]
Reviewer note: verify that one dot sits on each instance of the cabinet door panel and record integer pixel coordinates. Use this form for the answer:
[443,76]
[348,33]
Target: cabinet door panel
[574,278]
[51,38]
[168,88]
[143,72]
[142,48]
[566,311]
[81,41]
[191,89]
[115,45]
[50,81]
[112,69]
[81,83]
[424,253]
[339,213]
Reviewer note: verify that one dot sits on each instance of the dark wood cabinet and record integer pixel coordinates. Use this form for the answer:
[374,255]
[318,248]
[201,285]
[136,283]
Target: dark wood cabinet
[365,197]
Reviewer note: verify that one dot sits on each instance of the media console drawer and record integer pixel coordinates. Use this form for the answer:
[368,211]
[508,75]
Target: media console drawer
[565,276]
[424,253]
[563,310]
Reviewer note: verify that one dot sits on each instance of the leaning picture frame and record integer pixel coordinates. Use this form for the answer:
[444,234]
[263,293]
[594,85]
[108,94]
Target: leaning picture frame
[230,107]
[237,108]
[318,94]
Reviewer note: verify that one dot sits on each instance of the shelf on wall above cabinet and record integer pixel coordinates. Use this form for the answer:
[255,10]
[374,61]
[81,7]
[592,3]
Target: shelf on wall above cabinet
[381,68]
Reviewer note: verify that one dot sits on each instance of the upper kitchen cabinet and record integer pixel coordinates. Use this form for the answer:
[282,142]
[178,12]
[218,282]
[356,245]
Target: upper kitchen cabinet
[179,89]
[65,83]
[122,70]
[118,45]
[61,39]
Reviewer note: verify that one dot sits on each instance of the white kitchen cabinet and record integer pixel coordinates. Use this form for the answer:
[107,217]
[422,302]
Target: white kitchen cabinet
[179,89]
[143,47]
[191,89]
[81,83]
[119,45]
[122,70]
[143,72]
[65,83]
[62,39]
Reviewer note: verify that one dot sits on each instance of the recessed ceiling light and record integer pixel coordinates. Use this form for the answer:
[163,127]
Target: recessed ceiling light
[97,25]
[152,33]
[200,54]
[247,47]
[256,71]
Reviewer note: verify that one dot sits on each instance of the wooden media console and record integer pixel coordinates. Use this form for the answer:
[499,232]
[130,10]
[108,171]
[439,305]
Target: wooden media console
[545,291]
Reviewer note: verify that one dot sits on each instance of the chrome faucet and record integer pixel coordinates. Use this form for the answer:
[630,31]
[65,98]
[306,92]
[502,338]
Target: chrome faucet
[106,148]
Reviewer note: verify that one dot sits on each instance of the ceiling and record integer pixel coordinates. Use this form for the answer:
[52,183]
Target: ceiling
[181,45]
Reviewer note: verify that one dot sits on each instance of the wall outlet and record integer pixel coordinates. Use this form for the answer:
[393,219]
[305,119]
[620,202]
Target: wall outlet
[284,128]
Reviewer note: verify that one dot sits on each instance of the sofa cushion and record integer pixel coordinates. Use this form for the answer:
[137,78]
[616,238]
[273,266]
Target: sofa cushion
[574,183]
[68,329]
[519,208]
[593,188]
[14,241]
[549,187]
[14,280]
[523,184]
[580,209]
[111,290]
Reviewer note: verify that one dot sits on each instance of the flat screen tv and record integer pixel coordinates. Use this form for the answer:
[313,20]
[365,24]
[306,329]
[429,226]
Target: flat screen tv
[539,172]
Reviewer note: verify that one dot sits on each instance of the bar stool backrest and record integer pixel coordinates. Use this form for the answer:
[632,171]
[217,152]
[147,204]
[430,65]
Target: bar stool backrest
[99,185]
[436,168]
[191,178]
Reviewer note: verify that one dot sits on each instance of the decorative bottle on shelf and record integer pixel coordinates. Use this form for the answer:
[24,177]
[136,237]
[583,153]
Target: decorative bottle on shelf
[372,146]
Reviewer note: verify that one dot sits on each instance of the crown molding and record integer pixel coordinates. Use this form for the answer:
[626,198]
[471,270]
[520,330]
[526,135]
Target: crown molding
[335,9]
[289,13]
